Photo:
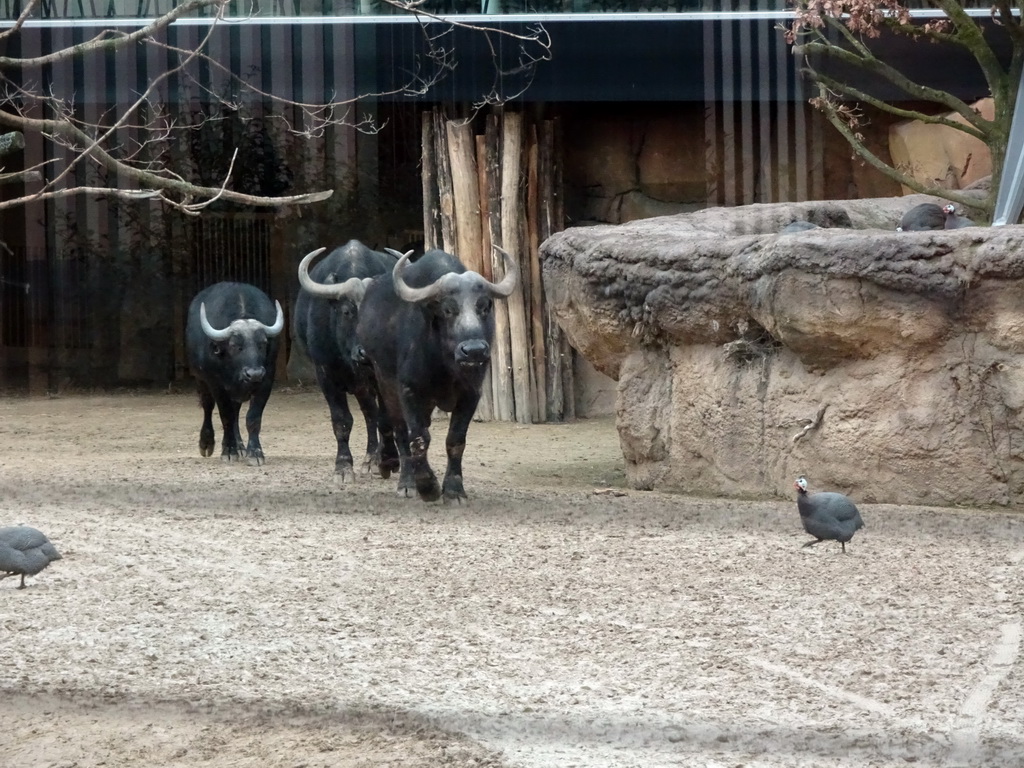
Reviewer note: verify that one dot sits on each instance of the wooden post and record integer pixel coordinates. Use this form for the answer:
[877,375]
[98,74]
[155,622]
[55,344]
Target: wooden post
[485,410]
[511,216]
[462,152]
[568,353]
[500,354]
[538,379]
[492,140]
[548,224]
[465,193]
[444,183]
[431,199]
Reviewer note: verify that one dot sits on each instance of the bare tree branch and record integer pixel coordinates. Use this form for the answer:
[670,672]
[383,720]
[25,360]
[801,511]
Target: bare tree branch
[841,31]
[864,59]
[845,89]
[110,39]
[131,142]
[827,106]
[26,13]
[163,184]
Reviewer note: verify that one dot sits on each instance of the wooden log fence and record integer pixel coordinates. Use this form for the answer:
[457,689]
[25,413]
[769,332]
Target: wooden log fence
[496,179]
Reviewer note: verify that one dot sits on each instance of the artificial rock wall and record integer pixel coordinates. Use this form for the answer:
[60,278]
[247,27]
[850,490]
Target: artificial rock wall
[881,363]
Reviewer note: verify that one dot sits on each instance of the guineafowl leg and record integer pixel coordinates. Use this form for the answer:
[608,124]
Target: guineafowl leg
[812,543]
[22,585]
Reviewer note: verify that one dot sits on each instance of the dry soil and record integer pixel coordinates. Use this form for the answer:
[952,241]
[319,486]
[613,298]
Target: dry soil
[229,615]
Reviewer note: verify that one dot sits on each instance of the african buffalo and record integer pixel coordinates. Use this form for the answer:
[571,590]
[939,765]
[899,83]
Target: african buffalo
[325,322]
[428,332]
[231,340]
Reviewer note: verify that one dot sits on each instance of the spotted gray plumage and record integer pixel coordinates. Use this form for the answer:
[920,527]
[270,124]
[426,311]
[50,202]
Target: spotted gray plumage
[954,220]
[24,551]
[921,218]
[827,516]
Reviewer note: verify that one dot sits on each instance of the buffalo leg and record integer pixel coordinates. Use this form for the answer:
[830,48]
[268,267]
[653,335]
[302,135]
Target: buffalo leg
[417,420]
[341,422]
[455,444]
[207,441]
[388,459]
[254,422]
[406,483]
[367,399]
[229,411]
[239,442]
[399,429]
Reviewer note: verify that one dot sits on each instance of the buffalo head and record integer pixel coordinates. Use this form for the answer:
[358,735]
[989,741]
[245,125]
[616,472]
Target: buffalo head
[461,303]
[244,343]
[345,298]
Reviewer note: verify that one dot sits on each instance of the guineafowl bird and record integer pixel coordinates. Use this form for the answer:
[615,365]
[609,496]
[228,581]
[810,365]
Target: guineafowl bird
[24,551]
[922,217]
[953,221]
[826,516]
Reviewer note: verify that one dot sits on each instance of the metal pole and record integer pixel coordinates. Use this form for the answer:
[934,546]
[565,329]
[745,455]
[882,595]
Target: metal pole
[1010,196]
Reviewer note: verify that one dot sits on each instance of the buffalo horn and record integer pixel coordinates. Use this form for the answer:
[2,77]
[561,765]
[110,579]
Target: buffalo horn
[503,288]
[209,330]
[508,282]
[328,291]
[408,293]
[278,326]
[225,333]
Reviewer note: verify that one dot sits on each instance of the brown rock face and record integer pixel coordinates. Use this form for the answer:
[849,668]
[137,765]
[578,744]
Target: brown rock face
[937,154]
[886,364]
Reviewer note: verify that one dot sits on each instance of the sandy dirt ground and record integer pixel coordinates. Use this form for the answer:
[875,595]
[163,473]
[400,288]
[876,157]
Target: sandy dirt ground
[220,615]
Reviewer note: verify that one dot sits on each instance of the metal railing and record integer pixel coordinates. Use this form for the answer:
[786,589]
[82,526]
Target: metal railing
[380,11]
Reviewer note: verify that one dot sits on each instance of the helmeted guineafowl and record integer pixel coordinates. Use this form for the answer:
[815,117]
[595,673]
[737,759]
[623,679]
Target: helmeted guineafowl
[826,516]
[953,220]
[24,551]
[922,217]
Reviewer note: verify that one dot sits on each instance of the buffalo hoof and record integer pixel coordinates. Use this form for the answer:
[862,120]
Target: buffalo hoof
[206,442]
[428,488]
[370,463]
[388,466]
[256,458]
[453,492]
[231,453]
[388,460]
[406,491]
[344,473]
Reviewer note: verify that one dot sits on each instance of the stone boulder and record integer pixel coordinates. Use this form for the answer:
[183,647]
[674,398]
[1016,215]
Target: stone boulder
[888,365]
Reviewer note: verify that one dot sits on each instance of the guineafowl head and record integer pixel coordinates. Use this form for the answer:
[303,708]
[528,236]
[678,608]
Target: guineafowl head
[948,209]
[801,484]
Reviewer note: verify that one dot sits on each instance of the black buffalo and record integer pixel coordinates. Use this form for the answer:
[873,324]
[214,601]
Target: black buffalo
[232,340]
[326,313]
[428,332]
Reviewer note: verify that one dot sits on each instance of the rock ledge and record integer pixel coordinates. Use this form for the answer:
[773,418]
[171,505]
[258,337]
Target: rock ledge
[888,365]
